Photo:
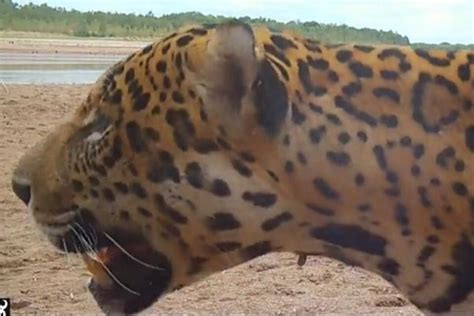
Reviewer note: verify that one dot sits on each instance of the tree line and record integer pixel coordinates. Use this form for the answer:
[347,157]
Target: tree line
[43,18]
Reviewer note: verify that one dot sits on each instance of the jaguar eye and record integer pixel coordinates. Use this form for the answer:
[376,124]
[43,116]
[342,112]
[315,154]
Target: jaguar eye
[94,130]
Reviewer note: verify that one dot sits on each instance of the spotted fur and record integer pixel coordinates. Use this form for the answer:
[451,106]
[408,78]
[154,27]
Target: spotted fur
[219,144]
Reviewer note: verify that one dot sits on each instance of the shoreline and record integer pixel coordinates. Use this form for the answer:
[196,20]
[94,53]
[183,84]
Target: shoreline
[86,46]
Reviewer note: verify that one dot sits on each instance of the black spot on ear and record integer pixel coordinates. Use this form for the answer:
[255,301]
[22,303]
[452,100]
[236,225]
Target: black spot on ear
[351,236]
[271,99]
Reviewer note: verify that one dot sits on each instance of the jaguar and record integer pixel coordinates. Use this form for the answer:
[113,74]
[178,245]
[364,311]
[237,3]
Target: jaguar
[221,143]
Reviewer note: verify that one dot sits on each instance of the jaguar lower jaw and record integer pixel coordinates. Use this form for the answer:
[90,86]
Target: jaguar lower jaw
[128,275]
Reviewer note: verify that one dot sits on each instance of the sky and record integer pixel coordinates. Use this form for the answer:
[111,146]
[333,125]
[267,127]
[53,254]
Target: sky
[429,21]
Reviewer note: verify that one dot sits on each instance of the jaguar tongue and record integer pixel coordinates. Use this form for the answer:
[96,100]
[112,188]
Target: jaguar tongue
[97,269]
[107,258]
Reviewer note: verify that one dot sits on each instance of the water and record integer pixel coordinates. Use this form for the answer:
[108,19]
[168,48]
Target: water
[27,68]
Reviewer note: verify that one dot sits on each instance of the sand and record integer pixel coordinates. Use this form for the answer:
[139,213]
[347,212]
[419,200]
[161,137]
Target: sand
[39,279]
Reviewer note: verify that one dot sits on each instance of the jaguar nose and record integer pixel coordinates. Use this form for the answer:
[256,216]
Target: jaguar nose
[22,190]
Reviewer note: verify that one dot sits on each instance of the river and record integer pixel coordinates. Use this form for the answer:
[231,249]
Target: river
[53,68]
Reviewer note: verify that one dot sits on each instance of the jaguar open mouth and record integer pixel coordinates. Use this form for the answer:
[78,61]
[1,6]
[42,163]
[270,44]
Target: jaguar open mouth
[128,275]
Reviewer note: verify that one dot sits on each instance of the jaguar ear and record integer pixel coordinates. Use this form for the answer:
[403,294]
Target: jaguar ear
[225,75]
